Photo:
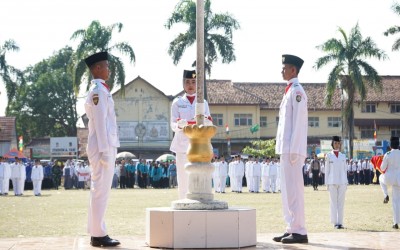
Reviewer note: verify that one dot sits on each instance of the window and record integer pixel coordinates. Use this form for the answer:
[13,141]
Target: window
[277,121]
[218,119]
[263,121]
[368,108]
[395,108]
[367,132]
[243,119]
[313,122]
[334,122]
[395,131]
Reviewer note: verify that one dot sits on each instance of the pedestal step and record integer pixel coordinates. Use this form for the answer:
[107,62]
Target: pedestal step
[227,228]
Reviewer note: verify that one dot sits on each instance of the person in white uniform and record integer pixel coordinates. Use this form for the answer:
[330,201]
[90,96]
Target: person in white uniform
[239,173]
[1,175]
[291,145]
[215,175]
[37,178]
[102,147]
[223,172]
[183,113]
[231,173]
[6,175]
[248,169]
[18,176]
[265,175]
[391,177]
[336,181]
[273,173]
[256,175]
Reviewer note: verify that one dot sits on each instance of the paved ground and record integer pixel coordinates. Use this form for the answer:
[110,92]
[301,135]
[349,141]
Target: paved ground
[345,240]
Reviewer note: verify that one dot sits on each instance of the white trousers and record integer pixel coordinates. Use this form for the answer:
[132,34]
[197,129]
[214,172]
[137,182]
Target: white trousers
[18,185]
[101,180]
[256,183]
[265,183]
[272,180]
[292,187]
[337,196]
[217,183]
[1,185]
[182,175]
[37,186]
[383,186]
[233,183]
[396,204]
[249,183]
[238,183]
[5,188]
[222,183]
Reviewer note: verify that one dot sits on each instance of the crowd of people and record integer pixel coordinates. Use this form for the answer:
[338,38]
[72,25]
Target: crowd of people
[257,174]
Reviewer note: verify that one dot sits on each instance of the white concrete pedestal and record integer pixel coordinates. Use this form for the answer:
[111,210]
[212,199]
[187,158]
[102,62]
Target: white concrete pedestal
[227,228]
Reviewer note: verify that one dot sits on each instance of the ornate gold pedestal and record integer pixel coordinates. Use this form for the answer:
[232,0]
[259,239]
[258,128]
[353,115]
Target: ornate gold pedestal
[200,169]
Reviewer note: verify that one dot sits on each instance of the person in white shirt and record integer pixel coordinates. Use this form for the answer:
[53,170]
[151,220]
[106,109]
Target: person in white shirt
[265,175]
[231,173]
[5,173]
[336,181]
[215,175]
[256,175]
[248,169]
[291,145]
[37,178]
[18,176]
[391,177]
[273,173]
[183,112]
[239,173]
[223,172]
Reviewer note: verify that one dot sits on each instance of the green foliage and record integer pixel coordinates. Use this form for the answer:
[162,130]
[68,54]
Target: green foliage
[96,38]
[9,74]
[394,29]
[218,33]
[261,148]
[46,105]
[351,70]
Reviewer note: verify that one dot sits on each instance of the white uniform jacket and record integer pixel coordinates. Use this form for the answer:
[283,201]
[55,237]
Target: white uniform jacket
[181,108]
[291,137]
[335,169]
[37,173]
[103,127]
[391,163]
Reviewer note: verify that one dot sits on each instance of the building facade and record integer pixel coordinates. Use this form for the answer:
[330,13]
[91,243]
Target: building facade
[143,115]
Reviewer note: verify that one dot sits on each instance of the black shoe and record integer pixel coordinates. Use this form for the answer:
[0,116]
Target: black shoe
[105,241]
[395,226]
[340,226]
[386,200]
[279,238]
[295,238]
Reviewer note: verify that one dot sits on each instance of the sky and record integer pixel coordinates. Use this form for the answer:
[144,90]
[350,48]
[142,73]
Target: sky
[268,29]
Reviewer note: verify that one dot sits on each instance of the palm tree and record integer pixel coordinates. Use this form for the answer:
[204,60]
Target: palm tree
[395,29]
[7,72]
[97,38]
[214,42]
[351,69]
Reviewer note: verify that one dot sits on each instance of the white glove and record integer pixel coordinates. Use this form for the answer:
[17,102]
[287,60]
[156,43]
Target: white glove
[104,159]
[182,123]
[207,122]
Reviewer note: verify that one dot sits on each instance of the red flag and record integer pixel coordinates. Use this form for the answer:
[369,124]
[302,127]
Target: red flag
[377,162]
[375,131]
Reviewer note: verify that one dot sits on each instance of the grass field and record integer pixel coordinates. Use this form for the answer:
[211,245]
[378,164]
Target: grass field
[64,212]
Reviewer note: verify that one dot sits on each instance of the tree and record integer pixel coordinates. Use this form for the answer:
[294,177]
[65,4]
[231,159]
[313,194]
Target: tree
[394,29]
[214,42]
[97,38]
[8,73]
[351,69]
[46,105]
[261,148]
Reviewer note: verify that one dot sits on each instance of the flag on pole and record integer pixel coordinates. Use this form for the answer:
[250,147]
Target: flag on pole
[375,131]
[227,129]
